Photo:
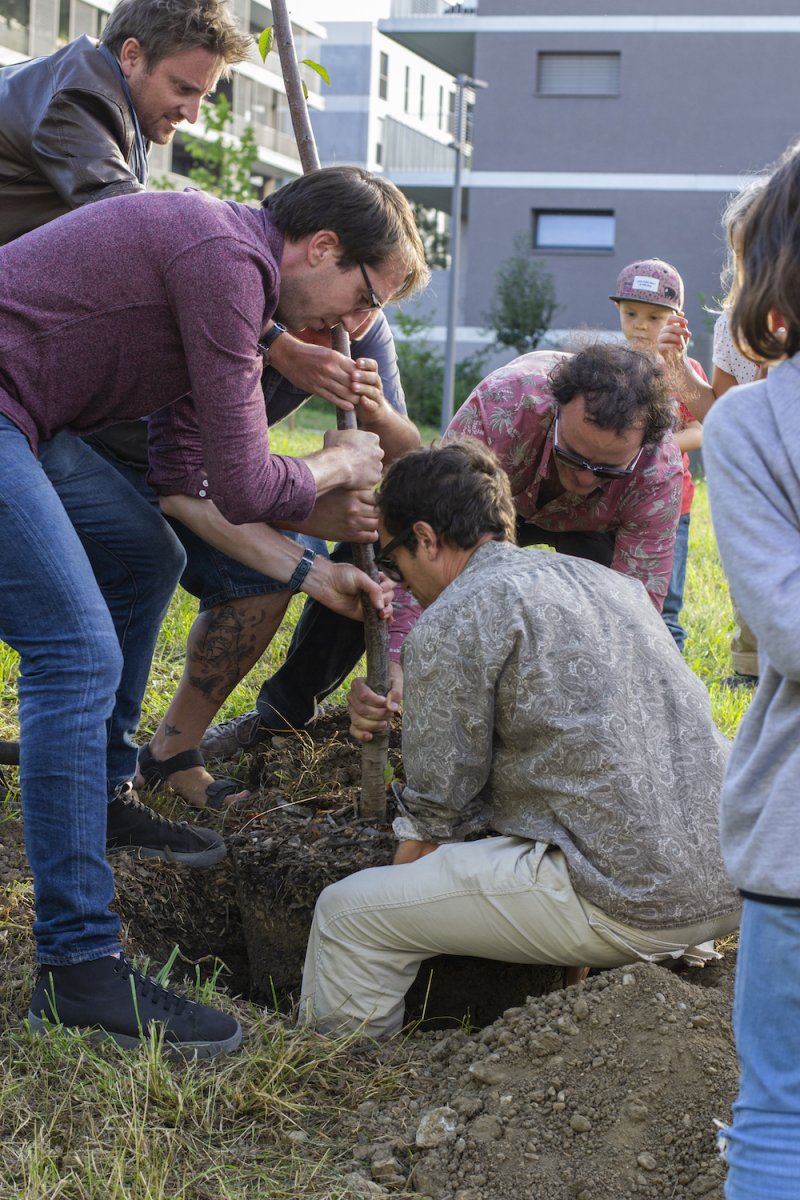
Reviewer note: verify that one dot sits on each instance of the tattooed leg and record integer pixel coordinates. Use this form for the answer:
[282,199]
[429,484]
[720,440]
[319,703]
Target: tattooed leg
[223,644]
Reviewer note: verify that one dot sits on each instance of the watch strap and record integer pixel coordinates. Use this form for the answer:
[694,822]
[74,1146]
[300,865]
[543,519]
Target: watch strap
[265,342]
[301,570]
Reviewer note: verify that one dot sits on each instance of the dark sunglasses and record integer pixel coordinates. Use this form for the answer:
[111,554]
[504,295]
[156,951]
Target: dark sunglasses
[598,469]
[386,564]
[374,302]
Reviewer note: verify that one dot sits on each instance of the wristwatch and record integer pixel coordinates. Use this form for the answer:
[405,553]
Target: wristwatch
[304,565]
[265,342]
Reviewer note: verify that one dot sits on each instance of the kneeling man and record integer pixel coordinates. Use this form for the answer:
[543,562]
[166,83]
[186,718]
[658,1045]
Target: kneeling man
[547,712]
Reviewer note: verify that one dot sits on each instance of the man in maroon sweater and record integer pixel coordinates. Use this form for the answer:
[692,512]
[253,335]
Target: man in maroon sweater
[117,311]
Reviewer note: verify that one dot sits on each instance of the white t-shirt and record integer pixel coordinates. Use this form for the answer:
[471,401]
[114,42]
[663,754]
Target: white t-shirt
[726,355]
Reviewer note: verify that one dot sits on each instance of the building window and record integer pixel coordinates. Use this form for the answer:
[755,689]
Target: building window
[407,91]
[577,229]
[441,107]
[383,77]
[578,74]
[422,97]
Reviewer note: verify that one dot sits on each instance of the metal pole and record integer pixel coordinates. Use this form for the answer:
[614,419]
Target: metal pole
[455,254]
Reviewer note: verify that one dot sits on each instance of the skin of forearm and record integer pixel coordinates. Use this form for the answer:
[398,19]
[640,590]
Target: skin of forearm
[397,434]
[256,545]
[690,438]
[690,388]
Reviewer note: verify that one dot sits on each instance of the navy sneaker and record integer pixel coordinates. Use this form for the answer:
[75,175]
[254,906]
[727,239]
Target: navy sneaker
[738,680]
[118,1003]
[135,827]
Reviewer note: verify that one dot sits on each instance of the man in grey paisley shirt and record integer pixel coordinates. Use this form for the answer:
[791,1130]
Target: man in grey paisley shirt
[547,713]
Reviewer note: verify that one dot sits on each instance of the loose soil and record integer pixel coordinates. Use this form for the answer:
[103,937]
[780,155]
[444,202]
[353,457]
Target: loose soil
[514,1090]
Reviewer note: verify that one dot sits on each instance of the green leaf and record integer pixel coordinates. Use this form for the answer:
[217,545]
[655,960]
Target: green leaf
[318,67]
[305,89]
[265,42]
[388,774]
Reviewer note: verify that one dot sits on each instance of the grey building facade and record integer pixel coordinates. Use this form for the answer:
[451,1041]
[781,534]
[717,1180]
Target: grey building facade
[607,133]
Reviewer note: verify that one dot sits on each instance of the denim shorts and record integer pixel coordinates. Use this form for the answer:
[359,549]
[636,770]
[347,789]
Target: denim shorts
[210,575]
[214,577]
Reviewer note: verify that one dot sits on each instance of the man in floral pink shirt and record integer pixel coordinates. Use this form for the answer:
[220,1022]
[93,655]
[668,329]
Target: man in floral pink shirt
[585,440]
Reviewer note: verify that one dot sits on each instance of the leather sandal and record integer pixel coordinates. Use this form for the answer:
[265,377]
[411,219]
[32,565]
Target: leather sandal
[154,773]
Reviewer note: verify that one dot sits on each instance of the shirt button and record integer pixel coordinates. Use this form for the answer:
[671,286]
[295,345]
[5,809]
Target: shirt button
[205,483]
[202,492]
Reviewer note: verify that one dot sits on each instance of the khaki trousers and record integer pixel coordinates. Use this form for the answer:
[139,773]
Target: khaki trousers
[744,647]
[501,898]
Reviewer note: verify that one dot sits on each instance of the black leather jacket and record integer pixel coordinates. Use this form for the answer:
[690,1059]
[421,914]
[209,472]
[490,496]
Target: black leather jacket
[66,136]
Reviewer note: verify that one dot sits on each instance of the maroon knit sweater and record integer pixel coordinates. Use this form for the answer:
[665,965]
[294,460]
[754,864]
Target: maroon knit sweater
[153,303]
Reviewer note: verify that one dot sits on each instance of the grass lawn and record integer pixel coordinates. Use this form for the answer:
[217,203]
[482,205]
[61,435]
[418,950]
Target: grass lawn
[80,1123]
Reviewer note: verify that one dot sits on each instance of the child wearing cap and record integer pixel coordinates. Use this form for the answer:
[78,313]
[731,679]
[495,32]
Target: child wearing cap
[649,293]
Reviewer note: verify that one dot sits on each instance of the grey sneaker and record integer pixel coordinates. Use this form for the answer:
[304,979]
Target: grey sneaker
[229,738]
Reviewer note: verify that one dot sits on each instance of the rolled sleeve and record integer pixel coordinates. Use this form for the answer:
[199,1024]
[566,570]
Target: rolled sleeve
[217,440]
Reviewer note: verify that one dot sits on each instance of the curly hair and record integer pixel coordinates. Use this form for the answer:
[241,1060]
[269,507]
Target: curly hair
[164,27]
[771,266]
[457,487]
[621,388]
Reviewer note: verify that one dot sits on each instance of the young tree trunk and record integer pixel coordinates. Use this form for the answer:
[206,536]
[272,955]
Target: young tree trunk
[374,753]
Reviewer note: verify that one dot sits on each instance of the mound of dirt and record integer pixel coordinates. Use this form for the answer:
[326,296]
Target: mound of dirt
[603,1091]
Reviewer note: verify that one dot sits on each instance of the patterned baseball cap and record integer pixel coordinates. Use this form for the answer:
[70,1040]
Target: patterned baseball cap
[651,281]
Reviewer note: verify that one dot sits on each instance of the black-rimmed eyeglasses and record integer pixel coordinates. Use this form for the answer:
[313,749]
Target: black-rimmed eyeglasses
[386,564]
[374,302]
[598,469]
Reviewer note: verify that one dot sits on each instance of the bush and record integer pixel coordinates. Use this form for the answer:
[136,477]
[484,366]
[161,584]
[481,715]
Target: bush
[524,301]
[422,370]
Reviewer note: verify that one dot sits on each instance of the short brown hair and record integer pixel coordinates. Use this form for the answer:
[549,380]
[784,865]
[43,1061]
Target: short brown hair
[622,388]
[164,27]
[771,266]
[457,486]
[371,217]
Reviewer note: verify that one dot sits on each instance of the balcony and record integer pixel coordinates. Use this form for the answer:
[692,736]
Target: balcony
[436,30]
[431,8]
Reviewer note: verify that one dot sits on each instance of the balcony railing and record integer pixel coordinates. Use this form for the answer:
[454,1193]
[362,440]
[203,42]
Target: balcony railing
[432,8]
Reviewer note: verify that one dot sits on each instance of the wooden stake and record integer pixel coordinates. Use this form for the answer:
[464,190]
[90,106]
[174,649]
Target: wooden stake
[374,754]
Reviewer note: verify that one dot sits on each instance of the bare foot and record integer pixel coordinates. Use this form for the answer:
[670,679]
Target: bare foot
[192,786]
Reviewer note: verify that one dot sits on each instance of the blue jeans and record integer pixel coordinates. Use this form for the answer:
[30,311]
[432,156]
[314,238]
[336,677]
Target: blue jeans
[87,570]
[673,602]
[763,1143]
[209,574]
[325,646]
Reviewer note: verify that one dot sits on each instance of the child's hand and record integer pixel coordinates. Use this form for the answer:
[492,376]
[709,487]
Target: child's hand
[673,337]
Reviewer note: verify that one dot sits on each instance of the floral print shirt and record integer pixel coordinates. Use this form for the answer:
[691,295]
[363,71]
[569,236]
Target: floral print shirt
[513,411]
[544,699]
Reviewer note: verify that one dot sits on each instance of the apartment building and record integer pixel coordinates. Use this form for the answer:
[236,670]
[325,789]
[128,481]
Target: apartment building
[386,108]
[606,133]
[256,90]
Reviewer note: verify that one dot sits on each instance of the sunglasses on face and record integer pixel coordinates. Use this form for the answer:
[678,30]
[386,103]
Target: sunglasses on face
[374,302]
[598,469]
[386,564]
